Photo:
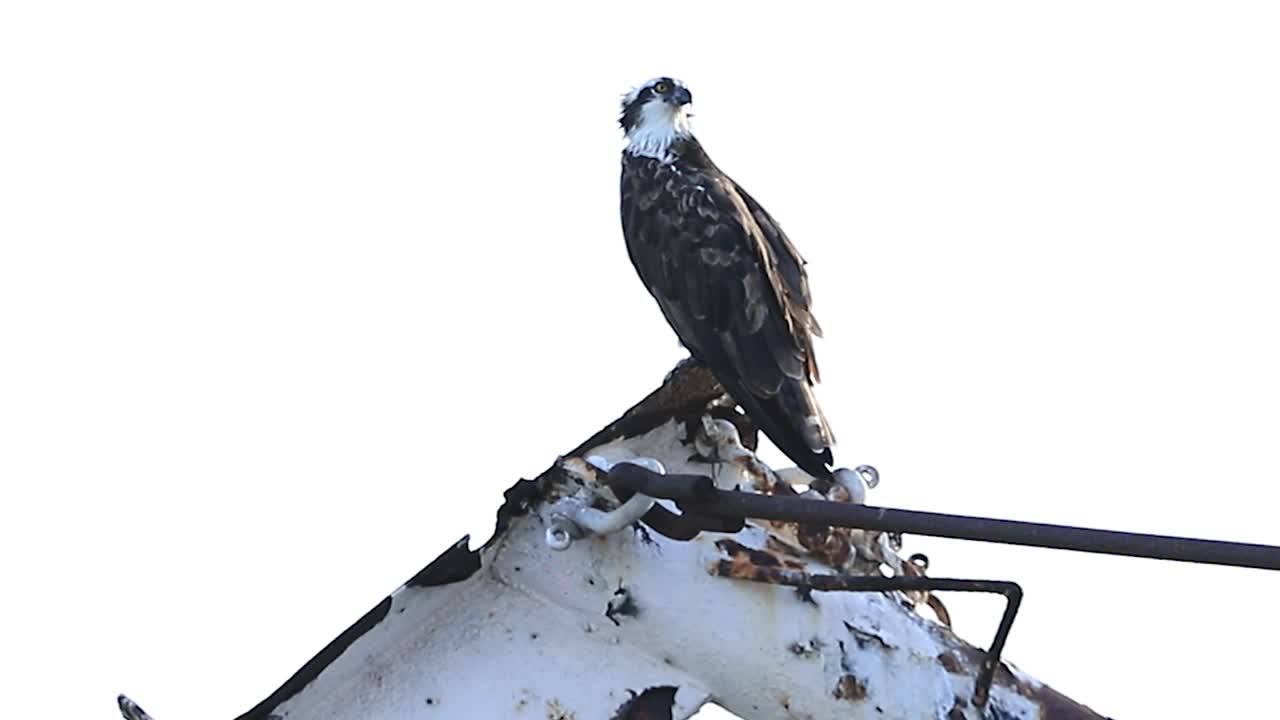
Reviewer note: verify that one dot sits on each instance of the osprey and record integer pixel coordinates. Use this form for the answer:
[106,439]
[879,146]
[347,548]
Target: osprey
[725,275]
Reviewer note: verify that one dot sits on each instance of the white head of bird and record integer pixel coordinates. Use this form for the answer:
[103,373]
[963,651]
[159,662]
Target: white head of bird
[654,116]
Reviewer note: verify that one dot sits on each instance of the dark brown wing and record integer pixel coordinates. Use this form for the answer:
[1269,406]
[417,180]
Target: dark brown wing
[794,286]
[734,289]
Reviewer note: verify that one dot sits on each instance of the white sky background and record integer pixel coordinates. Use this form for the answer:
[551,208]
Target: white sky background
[291,292]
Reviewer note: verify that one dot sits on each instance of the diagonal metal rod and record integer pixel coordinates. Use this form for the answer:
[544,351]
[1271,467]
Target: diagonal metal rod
[696,494]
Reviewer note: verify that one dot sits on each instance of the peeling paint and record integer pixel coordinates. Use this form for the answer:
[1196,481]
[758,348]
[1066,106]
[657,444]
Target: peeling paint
[850,688]
[950,663]
[865,637]
[621,604]
[807,649]
[455,565]
[557,712]
[653,703]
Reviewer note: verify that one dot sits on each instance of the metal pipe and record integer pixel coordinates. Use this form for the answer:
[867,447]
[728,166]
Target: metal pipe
[726,503]
[696,495]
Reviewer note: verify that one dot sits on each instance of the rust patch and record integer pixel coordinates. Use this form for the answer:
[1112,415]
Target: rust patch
[977,657]
[939,610]
[555,711]
[916,566]
[850,688]
[737,551]
[950,663]
[1056,705]
[771,541]
[1052,703]
[832,546]
[739,568]
[746,563]
[785,553]
[685,393]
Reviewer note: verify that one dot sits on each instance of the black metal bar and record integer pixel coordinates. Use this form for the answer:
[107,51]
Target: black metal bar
[1011,591]
[681,488]
[687,526]
[735,504]
[1013,532]
[625,477]
[671,525]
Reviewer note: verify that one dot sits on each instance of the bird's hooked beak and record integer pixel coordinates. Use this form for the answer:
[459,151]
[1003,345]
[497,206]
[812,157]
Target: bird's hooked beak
[680,97]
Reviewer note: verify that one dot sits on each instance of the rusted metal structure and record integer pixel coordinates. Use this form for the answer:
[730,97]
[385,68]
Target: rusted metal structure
[594,600]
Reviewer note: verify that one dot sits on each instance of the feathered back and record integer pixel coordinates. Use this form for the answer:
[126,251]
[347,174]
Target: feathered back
[734,289]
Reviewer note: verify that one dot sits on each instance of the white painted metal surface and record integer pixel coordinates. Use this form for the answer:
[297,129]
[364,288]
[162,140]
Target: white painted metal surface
[572,610]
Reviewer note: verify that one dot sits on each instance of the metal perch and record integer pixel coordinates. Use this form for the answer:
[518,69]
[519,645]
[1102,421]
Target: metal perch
[607,592]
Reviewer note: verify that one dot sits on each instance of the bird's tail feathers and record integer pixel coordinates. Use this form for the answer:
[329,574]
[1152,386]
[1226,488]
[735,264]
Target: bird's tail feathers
[799,401]
[794,422]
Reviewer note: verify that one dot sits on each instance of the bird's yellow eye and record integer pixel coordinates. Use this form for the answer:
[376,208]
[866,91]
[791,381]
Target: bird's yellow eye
[662,87]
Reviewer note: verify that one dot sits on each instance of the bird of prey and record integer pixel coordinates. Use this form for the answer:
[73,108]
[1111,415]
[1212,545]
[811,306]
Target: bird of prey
[728,280]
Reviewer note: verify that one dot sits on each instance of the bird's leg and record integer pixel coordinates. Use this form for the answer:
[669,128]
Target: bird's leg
[708,441]
[697,457]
